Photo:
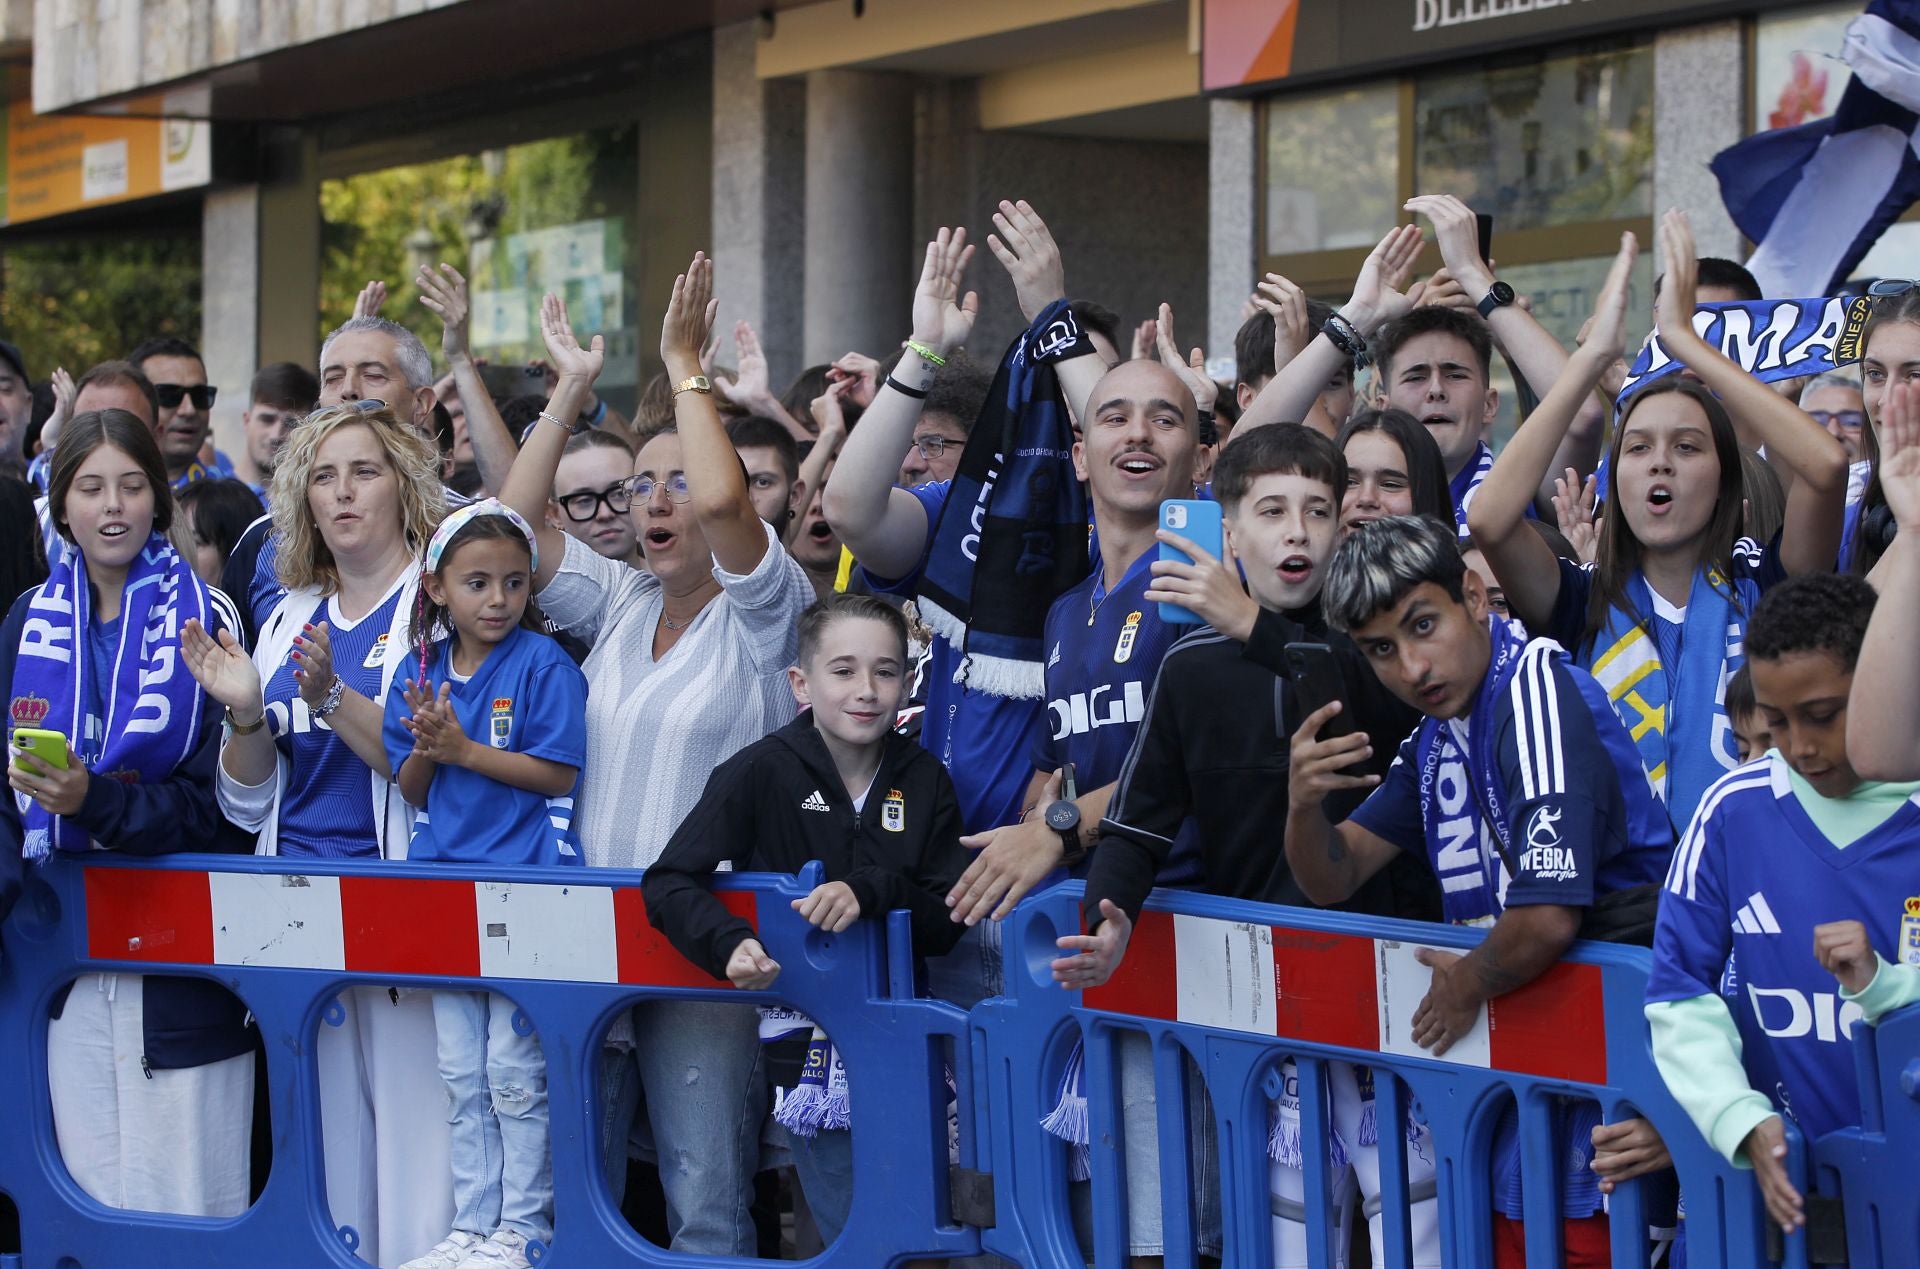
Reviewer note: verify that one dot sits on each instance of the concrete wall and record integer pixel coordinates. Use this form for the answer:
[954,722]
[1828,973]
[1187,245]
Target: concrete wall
[86,49]
[1130,216]
[1699,109]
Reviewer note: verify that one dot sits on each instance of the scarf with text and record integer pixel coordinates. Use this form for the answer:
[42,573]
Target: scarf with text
[1675,708]
[150,707]
[1013,534]
[1769,339]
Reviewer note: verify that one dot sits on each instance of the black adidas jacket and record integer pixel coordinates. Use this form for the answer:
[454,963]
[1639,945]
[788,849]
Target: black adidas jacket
[779,803]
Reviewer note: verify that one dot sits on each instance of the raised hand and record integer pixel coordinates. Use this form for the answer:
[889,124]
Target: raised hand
[829,412]
[371,297]
[860,373]
[313,649]
[1606,332]
[751,383]
[690,314]
[1680,280]
[563,349]
[1899,431]
[1143,337]
[1444,291]
[830,906]
[1378,296]
[1193,370]
[63,394]
[750,968]
[1032,258]
[1287,304]
[1092,958]
[1208,587]
[1457,230]
[1573,504]
[445,295]
[942,316]
[222,669]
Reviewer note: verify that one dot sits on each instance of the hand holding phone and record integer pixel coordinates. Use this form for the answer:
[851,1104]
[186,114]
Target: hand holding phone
[1317,683]
[48,748]
[1198,521]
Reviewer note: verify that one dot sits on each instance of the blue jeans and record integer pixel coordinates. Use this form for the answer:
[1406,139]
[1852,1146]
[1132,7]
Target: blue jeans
[699,1063]
[497,1108]
[823,1164]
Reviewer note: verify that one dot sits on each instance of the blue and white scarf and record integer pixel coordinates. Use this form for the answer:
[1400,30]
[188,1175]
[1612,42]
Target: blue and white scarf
[1465,485]
[1012,537]
[149,713]
[1447,827]
[820,1099]
[1677,714]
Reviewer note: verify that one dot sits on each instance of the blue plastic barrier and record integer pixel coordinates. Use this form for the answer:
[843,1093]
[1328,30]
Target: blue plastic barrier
[1276,982]
[1237,988]
[213,916]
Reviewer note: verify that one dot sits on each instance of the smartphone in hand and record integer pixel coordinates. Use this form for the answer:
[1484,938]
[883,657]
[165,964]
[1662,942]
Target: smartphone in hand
[1198,521]
[1317,682]
[48,748]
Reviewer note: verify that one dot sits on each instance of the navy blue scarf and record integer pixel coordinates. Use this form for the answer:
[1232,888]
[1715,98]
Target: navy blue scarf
[1013,535]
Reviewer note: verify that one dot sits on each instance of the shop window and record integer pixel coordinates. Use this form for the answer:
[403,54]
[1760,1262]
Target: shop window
[1541,141]
[554,215]
[1797,72]
[1332,169]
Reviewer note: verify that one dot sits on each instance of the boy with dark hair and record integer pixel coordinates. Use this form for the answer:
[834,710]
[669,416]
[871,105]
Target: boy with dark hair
[1750,735]
[1521,789]
[1779,846]
[1209,752]
[280,396]
[772,459]
[1262,343]
[1721,281]
[836,785]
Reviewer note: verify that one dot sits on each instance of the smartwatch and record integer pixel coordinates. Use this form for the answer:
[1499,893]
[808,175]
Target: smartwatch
[1063,817]
[1499,295]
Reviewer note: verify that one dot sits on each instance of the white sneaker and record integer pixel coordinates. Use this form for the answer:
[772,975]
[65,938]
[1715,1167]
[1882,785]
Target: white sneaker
[449,1252]
[505,1250]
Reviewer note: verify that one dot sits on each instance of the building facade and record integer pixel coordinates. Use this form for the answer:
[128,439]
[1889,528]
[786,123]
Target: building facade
[1178,147]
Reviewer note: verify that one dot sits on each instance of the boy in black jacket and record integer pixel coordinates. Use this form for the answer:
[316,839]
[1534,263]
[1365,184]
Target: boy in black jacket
[837,785]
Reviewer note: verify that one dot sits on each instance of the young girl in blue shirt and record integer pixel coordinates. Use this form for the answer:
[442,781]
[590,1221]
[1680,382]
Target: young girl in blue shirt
[488,742]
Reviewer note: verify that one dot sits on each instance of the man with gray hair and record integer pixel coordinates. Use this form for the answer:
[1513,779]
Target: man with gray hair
[1834,401]
[1520,788]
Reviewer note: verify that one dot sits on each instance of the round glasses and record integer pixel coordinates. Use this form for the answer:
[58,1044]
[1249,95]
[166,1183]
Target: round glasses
[640,488]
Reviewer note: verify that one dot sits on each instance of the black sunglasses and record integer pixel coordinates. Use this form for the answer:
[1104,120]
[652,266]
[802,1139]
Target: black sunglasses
[1886,288]
[170,394]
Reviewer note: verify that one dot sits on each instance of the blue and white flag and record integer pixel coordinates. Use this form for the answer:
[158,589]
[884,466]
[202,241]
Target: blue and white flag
[1769,339]
[1817,197]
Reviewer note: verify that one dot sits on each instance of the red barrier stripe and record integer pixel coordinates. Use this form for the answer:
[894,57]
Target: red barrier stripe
[1324,988]
[1146,984]
[140,915]
[409,925]
[1554,1027]
[647,959]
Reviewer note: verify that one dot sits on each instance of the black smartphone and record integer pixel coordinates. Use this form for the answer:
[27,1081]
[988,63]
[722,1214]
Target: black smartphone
[1485,220]
[1317,682]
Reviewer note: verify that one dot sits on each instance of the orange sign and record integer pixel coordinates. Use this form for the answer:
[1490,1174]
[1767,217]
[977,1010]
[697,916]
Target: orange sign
[63,163]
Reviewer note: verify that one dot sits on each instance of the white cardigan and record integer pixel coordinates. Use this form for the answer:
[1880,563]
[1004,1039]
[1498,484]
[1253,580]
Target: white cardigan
[257,807]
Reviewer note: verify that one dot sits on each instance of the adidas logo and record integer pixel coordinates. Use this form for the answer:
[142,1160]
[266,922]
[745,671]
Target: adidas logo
[815,802]
[1053,658]
[1755,917]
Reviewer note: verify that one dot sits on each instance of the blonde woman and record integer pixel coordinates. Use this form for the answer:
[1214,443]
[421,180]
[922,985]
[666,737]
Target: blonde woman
[356,497]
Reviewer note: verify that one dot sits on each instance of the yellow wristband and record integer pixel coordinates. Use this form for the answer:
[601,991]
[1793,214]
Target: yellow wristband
[926,352]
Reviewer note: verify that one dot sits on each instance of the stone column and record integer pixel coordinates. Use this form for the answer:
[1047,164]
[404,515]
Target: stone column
[1233,253]
[230,304]
[1699,109]
[759,193]
[860,250]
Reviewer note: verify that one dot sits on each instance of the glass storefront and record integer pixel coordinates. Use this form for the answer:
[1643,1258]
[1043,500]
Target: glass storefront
[554,215]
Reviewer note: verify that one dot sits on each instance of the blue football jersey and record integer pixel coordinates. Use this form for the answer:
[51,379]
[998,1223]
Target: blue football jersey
[327,809]
[527,697]
[1751,879]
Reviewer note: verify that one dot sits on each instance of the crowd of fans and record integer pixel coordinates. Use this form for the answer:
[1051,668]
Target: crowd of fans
[924,618]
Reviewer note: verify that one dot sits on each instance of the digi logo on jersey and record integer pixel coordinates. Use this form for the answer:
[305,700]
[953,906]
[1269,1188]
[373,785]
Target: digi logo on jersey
[1105,706]
[1788,1014]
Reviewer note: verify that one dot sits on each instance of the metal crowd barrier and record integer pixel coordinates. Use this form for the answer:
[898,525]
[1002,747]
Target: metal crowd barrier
[1234,988]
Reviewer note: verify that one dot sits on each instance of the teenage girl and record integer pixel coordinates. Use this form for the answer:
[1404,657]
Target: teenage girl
[488,743]
[1658,617]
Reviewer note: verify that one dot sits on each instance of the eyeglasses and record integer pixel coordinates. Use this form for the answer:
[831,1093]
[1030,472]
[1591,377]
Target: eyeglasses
[641,488]
[932,445]
[585,505]
[170,394]
[1887,287]
[1852,420]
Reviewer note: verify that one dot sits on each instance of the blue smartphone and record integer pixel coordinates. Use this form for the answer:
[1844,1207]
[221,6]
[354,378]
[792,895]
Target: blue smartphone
[1198,521]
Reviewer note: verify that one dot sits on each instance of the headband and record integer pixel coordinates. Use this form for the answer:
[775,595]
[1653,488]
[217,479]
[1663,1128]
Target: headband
[457,519]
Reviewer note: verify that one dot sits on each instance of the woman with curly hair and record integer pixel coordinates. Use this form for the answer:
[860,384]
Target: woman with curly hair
[356,497]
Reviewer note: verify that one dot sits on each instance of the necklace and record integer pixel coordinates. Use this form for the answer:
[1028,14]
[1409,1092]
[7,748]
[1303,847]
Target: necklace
[671,624]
